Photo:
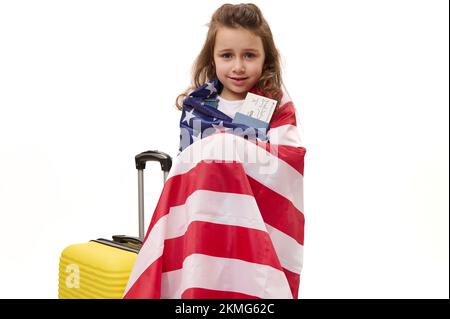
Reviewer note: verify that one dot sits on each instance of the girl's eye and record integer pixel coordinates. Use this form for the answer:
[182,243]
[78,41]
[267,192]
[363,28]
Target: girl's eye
[226,55]
[250,55]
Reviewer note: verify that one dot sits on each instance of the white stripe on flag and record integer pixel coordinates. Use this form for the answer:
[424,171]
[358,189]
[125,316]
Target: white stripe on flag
[215,207]
[289,251]
[225,274]
[285,135]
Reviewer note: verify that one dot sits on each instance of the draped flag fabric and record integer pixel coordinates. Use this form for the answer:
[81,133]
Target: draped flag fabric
[229,222]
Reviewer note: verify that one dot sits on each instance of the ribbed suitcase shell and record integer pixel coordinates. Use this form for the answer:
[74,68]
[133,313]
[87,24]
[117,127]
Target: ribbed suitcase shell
[94,270]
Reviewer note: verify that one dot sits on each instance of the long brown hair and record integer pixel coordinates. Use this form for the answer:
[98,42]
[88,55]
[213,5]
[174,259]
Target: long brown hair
[250,17]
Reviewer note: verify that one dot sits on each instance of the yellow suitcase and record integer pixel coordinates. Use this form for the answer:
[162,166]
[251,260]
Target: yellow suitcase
[96,269]
[100,268]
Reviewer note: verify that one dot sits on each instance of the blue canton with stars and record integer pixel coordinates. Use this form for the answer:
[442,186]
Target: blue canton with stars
[200,116]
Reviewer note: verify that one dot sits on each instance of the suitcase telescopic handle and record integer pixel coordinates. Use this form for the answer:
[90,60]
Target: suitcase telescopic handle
[141,159]
[154,156]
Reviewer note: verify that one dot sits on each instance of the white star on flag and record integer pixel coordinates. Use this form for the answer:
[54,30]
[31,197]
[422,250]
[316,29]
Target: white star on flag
[188,116]
[210,87]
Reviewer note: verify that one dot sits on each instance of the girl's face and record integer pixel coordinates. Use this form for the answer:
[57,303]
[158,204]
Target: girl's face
[239,59]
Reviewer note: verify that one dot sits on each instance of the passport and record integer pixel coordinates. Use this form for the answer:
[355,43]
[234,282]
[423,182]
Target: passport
[256,111]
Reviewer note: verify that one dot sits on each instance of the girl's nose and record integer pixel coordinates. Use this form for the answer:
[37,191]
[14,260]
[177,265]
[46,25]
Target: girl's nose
[238,66]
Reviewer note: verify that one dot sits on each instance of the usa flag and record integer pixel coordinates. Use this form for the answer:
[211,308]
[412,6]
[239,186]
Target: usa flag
[229,222]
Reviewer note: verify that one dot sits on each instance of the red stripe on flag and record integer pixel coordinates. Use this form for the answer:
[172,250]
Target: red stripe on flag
[270,204]
[294,282]
[148,285]
[284,115]
[294,156]
[220,240]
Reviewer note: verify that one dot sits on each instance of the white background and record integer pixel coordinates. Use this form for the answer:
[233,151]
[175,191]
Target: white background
[86,85]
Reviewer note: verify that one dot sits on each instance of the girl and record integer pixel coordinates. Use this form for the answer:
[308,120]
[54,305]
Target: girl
[230,227]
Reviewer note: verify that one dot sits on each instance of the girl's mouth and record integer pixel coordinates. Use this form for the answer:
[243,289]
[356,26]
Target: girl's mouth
[238,81]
